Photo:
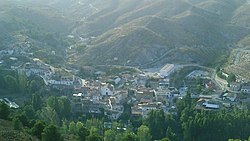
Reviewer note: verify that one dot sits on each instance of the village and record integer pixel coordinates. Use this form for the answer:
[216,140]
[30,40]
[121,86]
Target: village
[143,90]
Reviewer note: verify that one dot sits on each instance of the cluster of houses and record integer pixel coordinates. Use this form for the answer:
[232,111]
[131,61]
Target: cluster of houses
[20,48]
[239,87]
[51,76]
[126,88]
[96,97]
[99,98]
[108,94]
[18,57]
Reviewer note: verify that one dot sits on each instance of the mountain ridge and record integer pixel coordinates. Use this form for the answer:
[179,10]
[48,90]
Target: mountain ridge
[135,32]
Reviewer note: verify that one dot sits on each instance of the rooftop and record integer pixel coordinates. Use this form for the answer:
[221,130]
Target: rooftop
[168,67]
[78,95]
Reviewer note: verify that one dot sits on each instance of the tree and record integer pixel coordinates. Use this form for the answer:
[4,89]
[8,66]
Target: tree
[165,139]
[50,133]
[199,88]
[79,125]
[65,107]
[38,128]
[23,82]
[11,83]
[2,82]
[72,127]
[129,136]
[186,102]
[36,102]
[49,115]
[54,104]
[118,137]
[95,124]
[65,127]
[29,112]
[16,123]
[94,137]
[33,86]
[144,133]
[61,105]
[83,133]
[170,134]
[156,123]
[23,118]
[126,112]
[231,78]
[4,111]
[109,135]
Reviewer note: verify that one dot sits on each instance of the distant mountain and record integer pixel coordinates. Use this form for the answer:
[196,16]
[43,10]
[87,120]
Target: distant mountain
[142,33]
[139,32]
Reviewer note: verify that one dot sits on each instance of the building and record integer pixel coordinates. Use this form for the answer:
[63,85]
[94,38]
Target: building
[64,80]
[230,96]
[145,95]
[147,107]
[85,105]
[163,94]
[113,114]
[210,85]
[120,96]
[211,105]
[245,89]
[106,89]
[9,103]
[234,86]
[167,70]
[183,91]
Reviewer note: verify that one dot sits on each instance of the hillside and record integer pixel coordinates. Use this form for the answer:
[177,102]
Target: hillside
[40,26]
[238,62]
[145,33]
[174,31]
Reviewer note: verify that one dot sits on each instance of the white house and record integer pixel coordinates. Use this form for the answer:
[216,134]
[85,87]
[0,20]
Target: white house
[167,70]
[117,80]
[106,90]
